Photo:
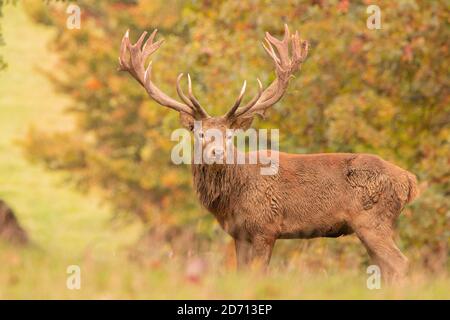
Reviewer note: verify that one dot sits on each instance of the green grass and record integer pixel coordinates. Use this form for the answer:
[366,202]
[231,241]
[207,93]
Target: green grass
[69,228]
[60,220]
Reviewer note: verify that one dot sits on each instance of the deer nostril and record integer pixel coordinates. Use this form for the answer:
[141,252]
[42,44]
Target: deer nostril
[216,152]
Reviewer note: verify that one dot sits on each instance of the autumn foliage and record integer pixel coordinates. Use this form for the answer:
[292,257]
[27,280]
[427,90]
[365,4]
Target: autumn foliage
[380,91]
[2,43]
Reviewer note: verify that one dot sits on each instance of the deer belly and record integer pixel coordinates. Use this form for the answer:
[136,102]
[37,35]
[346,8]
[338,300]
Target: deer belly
[302,231]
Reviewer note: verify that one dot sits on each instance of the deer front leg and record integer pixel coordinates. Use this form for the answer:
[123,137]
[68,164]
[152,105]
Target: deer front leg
[243,253]
[254,252]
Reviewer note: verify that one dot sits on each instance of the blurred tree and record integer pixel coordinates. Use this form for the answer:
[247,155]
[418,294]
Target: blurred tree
[3,64]
[380,91]
[2,42]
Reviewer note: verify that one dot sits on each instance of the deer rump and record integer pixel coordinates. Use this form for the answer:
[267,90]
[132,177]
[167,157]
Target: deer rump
[316,195]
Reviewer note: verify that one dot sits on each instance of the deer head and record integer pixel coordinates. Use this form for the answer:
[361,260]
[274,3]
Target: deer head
[133,58]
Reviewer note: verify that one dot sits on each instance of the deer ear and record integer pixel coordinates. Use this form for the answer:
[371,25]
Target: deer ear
[187,121]
[242,123]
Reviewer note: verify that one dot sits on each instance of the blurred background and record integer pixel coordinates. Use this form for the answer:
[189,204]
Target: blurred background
[85,154]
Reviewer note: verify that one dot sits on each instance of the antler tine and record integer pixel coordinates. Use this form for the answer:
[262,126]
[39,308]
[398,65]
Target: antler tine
[281,45]
[252,102]
[285,66]
[299,50]
[123,63]
[193,99]
[141,40]
[148,50]
[238,101]
[271,52]
[150,40]
[181,93]
[186,99]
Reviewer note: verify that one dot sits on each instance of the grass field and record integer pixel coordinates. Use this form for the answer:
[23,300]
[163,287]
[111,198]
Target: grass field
[61,222]
[68,228]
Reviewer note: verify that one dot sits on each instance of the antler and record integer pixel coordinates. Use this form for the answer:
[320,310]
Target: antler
[191,101]
[285,66]
[135,65]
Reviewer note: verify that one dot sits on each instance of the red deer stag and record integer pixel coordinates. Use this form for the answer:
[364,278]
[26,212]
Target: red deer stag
[311,195]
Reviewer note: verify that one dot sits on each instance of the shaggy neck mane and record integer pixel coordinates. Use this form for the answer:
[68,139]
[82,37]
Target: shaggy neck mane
[217,185]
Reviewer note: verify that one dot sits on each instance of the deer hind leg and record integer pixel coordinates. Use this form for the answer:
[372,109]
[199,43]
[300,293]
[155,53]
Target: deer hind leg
[383,251]
[256,251]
